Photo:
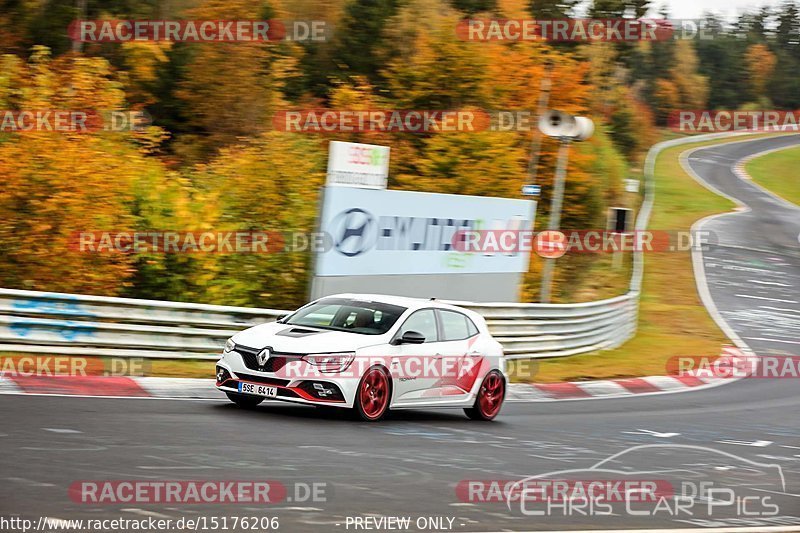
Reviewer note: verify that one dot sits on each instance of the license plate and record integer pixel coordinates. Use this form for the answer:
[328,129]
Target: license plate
[258,390]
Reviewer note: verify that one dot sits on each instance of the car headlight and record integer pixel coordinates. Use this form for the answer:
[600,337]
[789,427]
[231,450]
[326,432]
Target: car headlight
[229,346]
[330,362]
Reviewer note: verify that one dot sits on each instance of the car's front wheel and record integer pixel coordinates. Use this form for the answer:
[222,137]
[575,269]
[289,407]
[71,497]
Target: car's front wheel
[245,401]
[490,397]
[372,397]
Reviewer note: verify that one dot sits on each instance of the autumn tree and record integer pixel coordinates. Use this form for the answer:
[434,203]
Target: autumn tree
[359,35]
[268,184]
[56,184]
[230,90]
[760,64]
[427,67]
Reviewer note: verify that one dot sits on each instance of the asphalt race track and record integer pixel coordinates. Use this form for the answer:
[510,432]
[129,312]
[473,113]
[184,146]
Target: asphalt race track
[744,436]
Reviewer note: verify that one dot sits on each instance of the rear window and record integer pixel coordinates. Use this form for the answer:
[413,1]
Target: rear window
[473,329]
[456,326]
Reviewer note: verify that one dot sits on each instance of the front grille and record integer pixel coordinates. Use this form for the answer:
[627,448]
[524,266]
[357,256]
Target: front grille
[262,379]
[274,364]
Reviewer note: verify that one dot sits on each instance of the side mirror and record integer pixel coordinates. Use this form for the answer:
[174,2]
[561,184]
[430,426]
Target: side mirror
[411,337]
[282,318]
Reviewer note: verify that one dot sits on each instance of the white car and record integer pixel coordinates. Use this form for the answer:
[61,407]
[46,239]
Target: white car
[369,353]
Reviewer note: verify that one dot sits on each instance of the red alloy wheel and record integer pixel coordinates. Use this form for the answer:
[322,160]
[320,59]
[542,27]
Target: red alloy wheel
[490,397]
[373,394]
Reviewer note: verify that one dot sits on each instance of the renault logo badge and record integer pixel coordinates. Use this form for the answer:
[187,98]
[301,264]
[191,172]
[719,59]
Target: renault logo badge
[263,356]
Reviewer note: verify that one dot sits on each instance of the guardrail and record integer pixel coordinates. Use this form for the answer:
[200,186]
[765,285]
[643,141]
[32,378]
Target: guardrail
[58,323]
[556,330]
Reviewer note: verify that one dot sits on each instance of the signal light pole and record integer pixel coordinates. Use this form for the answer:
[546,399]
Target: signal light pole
[566,129]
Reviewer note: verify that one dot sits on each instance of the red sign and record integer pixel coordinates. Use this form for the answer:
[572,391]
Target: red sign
[551,244]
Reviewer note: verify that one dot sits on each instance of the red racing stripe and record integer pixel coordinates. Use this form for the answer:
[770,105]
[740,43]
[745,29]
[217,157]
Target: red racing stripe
[80,385]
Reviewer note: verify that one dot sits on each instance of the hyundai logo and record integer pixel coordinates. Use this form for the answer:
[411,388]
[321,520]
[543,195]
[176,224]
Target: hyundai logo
[354,231]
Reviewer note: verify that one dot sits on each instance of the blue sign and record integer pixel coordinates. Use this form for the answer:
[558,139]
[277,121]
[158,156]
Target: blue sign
[531,190]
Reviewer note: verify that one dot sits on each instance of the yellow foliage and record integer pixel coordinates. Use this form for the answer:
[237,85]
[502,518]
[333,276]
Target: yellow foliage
[760,64]
[55,184]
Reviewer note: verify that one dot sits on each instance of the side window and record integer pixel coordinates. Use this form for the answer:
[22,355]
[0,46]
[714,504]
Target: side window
[473,329]
[455,325]
[423,321]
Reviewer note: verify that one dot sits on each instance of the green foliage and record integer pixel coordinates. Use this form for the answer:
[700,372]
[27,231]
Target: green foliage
[472,7]
[360,37]
[551,9]
[723,60]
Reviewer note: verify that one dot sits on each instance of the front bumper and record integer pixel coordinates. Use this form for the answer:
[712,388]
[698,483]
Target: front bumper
[314,390]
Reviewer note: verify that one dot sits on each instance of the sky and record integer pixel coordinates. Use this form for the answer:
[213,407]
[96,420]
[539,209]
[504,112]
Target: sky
[694,9]
[726,8]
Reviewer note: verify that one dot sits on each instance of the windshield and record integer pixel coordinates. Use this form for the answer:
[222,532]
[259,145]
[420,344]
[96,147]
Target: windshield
[341,314]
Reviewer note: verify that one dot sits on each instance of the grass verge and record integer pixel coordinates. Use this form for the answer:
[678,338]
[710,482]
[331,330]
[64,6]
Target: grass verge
[777,171]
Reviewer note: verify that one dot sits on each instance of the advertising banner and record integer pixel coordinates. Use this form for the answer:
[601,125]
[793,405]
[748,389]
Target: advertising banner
[375,232]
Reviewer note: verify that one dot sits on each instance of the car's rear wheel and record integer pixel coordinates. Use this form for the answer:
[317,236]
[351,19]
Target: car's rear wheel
[245,401]
[372,397]
[490,397]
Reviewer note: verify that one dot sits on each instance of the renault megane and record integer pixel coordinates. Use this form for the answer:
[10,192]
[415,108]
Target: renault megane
[369,353]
